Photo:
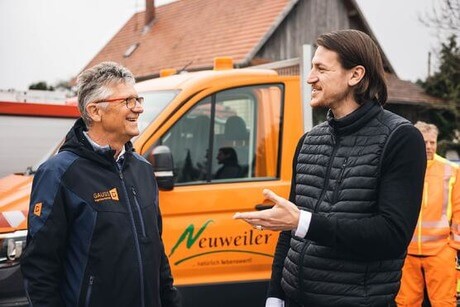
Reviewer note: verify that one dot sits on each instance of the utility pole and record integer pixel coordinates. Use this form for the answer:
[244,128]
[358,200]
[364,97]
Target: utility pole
[429,64]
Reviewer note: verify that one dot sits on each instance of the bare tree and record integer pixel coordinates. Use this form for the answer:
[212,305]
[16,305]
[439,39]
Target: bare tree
[444,16]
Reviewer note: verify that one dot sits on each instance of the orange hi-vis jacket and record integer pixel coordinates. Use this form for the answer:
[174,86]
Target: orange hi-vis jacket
[439,219]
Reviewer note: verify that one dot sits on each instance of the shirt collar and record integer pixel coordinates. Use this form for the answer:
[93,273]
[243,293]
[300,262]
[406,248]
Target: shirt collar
[102,149]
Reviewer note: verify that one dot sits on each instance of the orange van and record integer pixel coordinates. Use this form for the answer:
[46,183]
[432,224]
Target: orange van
[192,125]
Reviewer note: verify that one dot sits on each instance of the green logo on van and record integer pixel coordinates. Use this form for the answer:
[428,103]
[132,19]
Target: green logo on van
[188,234]
[224,244]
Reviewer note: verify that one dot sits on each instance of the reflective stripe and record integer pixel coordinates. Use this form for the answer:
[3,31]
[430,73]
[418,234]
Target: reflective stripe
[455,227]
[418,239]
[435,232]
[447,206]
[455,237]
[443,223]
[419,232]
[446,211]
[455,232]
[428,238]
[425,194]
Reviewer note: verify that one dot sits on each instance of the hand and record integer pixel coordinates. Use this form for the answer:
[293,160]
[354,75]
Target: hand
[283,216]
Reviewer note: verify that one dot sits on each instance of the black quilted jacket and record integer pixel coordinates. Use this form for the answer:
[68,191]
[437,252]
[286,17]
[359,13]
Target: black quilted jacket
[362,178]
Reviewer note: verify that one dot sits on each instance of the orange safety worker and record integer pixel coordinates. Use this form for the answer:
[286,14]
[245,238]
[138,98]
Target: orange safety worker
[431,256]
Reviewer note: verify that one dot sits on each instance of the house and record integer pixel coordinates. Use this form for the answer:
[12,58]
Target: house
[189,34]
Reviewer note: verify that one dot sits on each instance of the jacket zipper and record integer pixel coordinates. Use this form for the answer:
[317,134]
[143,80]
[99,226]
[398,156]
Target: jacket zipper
[339,181]
[321,197]
[141,221]
[136,239]
[88,291]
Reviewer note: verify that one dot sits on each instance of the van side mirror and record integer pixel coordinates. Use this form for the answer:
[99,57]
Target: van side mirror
[162,162]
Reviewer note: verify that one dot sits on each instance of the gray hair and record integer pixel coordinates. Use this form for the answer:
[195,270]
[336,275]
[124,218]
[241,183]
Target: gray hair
[426,128]
[96,84]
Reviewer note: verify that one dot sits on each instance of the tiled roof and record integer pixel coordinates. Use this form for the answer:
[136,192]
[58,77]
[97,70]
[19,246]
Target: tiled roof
[192,32]
[406,92]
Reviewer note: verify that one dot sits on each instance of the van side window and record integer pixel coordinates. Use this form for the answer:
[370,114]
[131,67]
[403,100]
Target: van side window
[251,127]
[188,140]
[231,136]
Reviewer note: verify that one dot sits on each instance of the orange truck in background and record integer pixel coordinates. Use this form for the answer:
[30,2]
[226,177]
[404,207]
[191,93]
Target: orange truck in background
[190,120]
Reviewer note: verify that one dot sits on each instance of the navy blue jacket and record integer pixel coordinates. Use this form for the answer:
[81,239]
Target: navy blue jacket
[94,236]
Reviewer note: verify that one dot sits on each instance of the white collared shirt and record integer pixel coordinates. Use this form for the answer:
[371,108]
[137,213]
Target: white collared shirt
[100,148]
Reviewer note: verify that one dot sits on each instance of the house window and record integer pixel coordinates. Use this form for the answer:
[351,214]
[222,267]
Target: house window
[130,50]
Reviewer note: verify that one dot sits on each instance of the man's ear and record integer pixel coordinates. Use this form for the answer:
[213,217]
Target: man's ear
[357,74]
[94,112]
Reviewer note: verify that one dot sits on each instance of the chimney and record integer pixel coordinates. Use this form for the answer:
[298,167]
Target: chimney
[149,11]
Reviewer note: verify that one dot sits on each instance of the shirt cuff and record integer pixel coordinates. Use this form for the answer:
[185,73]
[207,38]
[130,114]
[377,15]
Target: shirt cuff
[274,302]
[304,224]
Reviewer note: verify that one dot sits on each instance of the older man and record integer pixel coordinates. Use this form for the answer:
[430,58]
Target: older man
[431,256]
[94,236]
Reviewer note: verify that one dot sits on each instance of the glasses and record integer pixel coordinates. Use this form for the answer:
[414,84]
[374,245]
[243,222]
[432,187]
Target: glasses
[130,102]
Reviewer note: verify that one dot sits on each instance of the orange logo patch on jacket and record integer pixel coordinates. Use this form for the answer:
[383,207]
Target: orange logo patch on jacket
[114,194]
[38,209]
[111,194]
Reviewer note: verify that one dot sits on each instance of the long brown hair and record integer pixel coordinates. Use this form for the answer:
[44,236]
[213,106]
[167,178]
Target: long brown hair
[357,48]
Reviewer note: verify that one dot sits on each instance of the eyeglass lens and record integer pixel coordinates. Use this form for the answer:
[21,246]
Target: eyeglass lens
[131,102]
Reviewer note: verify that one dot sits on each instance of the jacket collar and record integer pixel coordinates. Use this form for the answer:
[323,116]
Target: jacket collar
[76,142]
[355,120]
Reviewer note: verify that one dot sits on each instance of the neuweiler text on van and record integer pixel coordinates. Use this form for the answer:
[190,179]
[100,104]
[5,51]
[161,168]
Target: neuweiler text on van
[248,238]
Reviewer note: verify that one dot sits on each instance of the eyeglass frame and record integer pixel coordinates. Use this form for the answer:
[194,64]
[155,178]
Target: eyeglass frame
[138,100]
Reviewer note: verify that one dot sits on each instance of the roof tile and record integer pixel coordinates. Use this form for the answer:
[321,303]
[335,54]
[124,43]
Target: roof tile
[194,31]
[406,92]
[190,33]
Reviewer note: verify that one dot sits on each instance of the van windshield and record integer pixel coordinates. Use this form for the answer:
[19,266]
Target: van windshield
[154,103]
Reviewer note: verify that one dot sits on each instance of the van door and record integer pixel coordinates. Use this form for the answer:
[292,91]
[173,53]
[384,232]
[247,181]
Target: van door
[226,150]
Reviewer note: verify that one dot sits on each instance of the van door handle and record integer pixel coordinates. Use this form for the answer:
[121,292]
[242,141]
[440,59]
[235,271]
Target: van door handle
[261,207]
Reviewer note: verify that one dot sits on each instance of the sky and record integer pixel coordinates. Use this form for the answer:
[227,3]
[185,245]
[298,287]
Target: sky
[53,40]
